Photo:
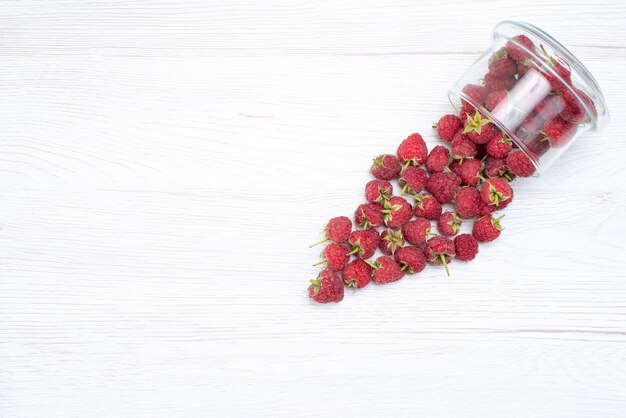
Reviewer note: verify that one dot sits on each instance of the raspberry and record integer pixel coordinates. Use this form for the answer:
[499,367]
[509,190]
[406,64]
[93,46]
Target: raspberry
[443,186]
[466,247]
[440,250]
[530,127]
[476,94]
[493,82]
[520,47]
[337,230]
[499,146]
[369,215]
[449,224]
[416,231]
[573,110]
[378,190]
[335,256]
[391,240]
[550,106]
[469,172]
[520,164]
[397,212]
[413,180]
[479,129]
[448,126]
[357,274]
[364,242]
[463,148]
[386,270]
[485,209]
[496,192]
[524,66]
[494,98]
[426,206]
[487,228]
[413,150]
[411,259]
[386,167]
[557,72]
[537,146]
[500,65]
[326,288]
[438,159]
[495,167]
[467,202]
[558,132]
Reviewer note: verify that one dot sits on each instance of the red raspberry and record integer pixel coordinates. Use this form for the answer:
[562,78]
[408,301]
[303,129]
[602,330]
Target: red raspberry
[485,209]
[573,110]
[378,190]
[530,127]
[449,224]
[397,212]
[448,126]
[416,231]
[469,172]
[443,186]
[501,65]
[520,47]
[427,206]
[557,72]
[499,146]
[413,149]
[467,202]
[558,132]
[537,146]
[386,167]
[440,250]
[438,159]
[411,259]
[487,228]
[520,164]
[496,192]
[391,240]
[475,94]
[466,247]
[494,98]
[337,230]
[326,288]
[364,242]
[463,148]
[369,215]
[335,256]
[479,129]
[494,82]
[550,106]
[495,167]
[386,270]
[413,180]
[357,274]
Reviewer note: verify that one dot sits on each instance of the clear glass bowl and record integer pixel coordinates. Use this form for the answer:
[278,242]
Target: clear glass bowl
[533,89]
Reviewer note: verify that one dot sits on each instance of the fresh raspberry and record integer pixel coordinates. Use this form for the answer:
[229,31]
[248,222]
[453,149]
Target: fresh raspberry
[494,98]
[550,106]
[369,215]
[530,127]
[558,132]
[443,186]
[574,107]
[364,242]
[416,232]
[496,192]
[357,274]
[378,190]
[440,250]
[469,172]
[500,146]
[411,259]
[337,230]
[449,224]
[466,247]
[520,47]
[326,288]
[494,82]
[500,65]
[557,72]
[475,94]
[467,202]
[487,228]
[413,149]
[391,240]
[438,159]
[335,256]
[485,209]
[427,206]
[455,166]
[495,167]
[448,126]
[520,164]
[386,167]
[386,270]
[524,66]
[463,148]
[413,180]
[479,129]
[537,146]
[397,212]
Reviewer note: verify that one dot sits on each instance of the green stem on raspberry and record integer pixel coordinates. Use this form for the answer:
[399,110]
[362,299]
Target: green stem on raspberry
[407,163]
[315,282]
[355,250]
[372,265]
[319,263]
[319,242]
[445,265]
[406,186]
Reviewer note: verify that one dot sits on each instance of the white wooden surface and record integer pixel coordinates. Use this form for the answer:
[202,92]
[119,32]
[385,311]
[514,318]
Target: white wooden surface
[165,164]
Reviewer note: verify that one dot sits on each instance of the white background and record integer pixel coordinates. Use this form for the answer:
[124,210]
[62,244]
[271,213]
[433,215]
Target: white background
[165,164]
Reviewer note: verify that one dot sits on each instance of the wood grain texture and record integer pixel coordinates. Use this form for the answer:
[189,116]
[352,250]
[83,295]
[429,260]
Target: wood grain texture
[165,165]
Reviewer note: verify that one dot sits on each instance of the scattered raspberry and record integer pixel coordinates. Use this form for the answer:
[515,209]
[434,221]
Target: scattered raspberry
[448,126]
[416,232]
[443,186]
[495,167]
[386,167]
[364,242]
[520,164]
[520,47]
[397,212]
[391,240]
[499,146]
[411,259]
[440,250]
[438,159]
[413,150]
[469,172]
[487,228]
[326,288]
[378,190]
[369,215]
[494,98]
[413,180]
[466,247]
[426,206]
[357,274]
[496,192]
[494,82]
[479,129]
[449,224]
[485,209]
[500,65]
[558,132]
[337,230]
[475,94]
[467,202]
[335,256]
[386,270]
[463,147]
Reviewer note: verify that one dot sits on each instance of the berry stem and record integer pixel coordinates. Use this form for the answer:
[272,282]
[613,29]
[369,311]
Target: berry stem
[319,263]
[445,265]
[319,242]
